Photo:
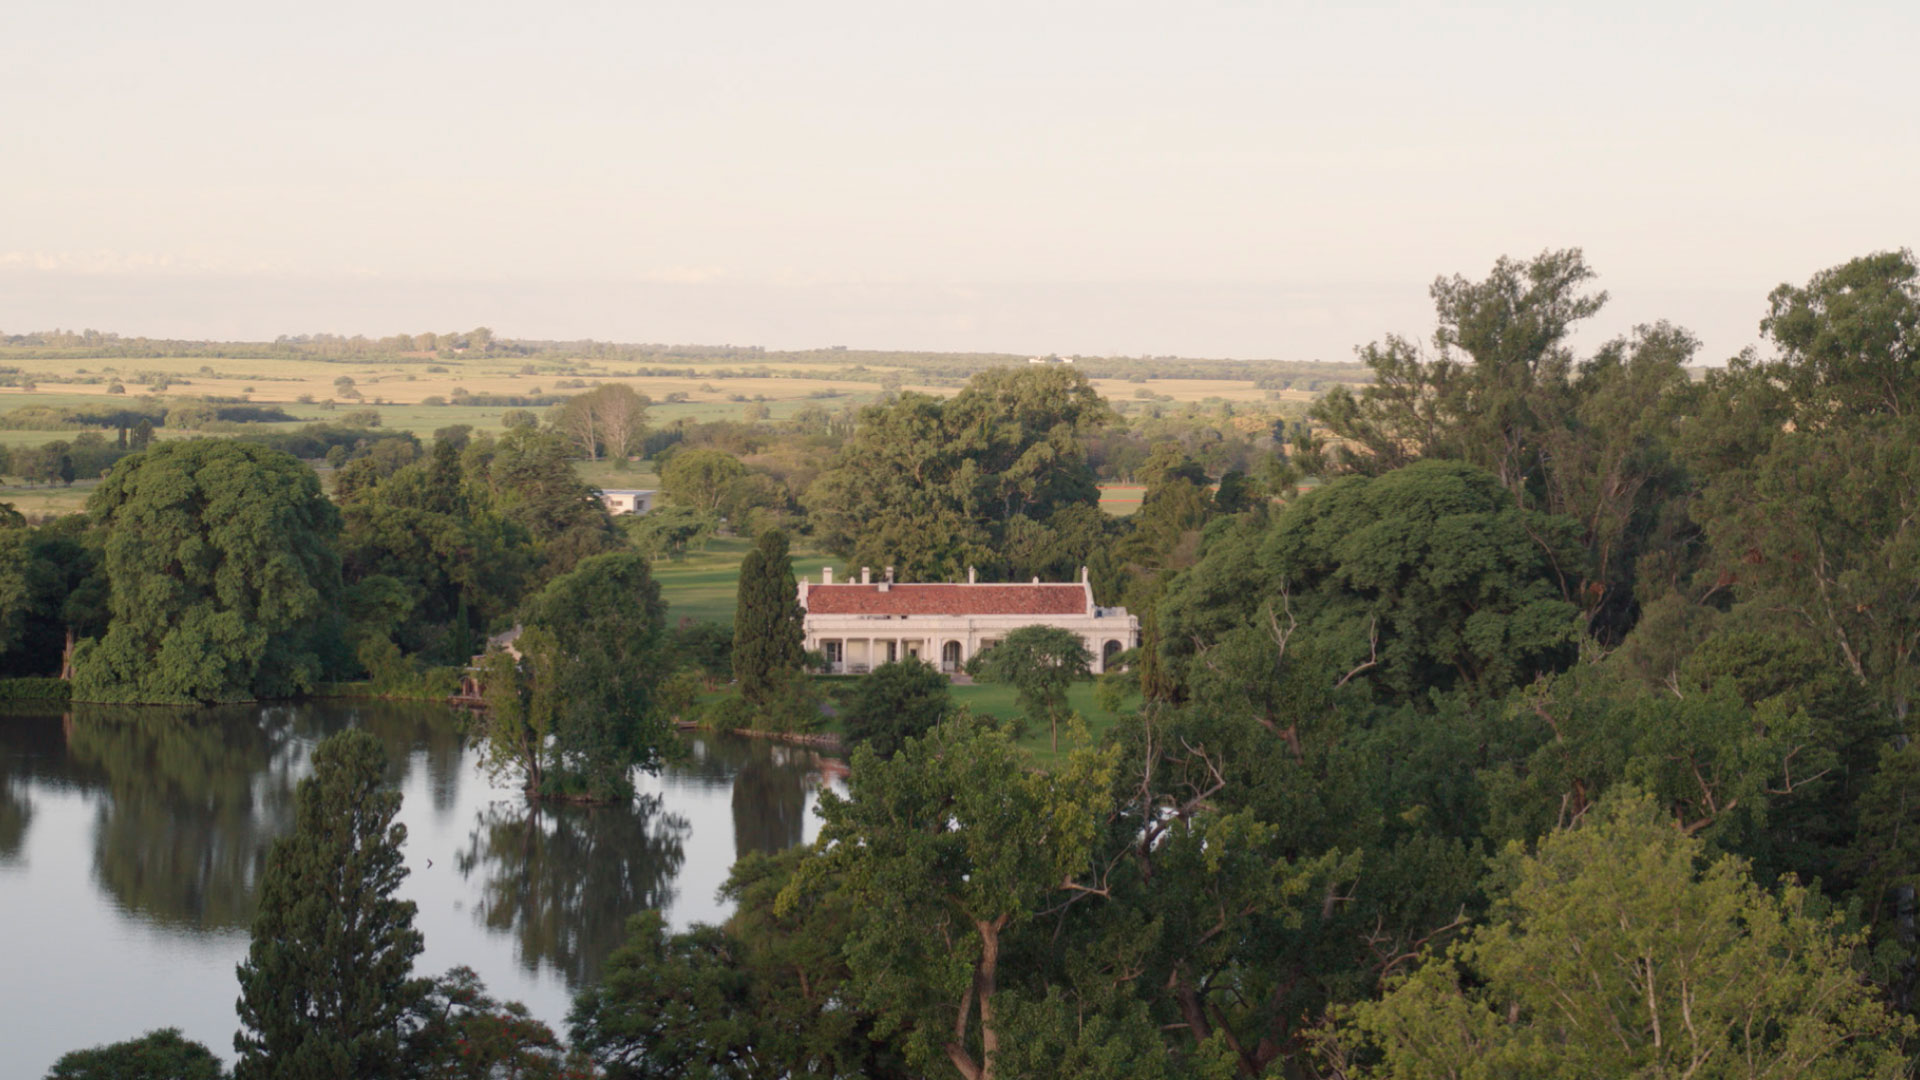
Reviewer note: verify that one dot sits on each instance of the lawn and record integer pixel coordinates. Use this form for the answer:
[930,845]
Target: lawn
[609,475]
[998,700]
[703,586]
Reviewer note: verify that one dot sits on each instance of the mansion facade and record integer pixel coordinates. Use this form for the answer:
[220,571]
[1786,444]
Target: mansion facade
[861,625]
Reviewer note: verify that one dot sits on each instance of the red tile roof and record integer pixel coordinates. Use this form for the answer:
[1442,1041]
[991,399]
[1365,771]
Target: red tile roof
[1037,599]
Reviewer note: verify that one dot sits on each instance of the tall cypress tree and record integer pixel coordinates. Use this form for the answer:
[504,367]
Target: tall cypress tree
[328,980]
[767,632]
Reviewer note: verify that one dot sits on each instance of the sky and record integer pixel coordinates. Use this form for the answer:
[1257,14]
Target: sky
[1253,180]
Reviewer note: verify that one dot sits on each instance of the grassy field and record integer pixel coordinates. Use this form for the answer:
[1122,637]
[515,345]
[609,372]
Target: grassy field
[45,501]
[994,700]
[987,699]
[607,475]
[703,586]
[401,391]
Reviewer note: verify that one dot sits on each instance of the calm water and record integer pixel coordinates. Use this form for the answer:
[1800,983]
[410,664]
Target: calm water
[130,842]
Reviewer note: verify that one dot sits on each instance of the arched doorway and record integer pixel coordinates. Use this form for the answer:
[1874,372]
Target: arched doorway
[1107,652]
[950,656]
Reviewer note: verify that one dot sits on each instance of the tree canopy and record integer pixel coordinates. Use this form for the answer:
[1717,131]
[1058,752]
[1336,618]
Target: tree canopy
[224,577]
[328,980]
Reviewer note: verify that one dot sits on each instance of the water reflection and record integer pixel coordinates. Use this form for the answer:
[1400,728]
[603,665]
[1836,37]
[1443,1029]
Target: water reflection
[16,813]
[563,880]
[132,840]
[194,800]
[770,798]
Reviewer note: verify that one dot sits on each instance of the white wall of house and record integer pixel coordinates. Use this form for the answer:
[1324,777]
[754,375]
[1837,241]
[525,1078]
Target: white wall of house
[628,501]
[857,643]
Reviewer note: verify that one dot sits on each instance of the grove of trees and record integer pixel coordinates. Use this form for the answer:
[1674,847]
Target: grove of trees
[1523,711]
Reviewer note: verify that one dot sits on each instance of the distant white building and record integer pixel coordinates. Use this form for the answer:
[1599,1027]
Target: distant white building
[628,500]
[860,625]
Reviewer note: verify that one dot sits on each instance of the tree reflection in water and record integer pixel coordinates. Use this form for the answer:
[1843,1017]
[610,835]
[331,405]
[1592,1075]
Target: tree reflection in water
[196,797]
[565,879]
[770,798]
[16,813]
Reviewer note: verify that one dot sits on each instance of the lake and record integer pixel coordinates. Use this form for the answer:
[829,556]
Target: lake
[131,841]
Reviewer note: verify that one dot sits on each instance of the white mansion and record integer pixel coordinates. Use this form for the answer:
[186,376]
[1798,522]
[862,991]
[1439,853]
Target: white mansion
[860,625]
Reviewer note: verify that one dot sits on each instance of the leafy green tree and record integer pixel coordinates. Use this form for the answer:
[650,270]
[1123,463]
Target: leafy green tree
[164,1054]
[224,577]
[930,486]
[947,853]
[1040,663]
[705,647]
[700,479]
[581,693]
[328,984]
[530,481]
[1427,577]
[896,702]
[462,1033]
[768,993]
[1588,440]
[670,1006]
[1614,952]
[1849,340]
[669,531]
[767,620]
[608,419]
[1493,387]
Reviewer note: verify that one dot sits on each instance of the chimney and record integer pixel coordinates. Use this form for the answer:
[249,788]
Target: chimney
[826,575]
[889,575]
[1084,576]
[969,575]
[1036,579]
[866,575]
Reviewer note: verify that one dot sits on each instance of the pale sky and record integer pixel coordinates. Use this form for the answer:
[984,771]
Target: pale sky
[1248,180]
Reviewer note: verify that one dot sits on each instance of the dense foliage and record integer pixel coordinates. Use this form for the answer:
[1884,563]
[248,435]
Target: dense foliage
[224,577]
[1527,713]
[767,633]
[328,980]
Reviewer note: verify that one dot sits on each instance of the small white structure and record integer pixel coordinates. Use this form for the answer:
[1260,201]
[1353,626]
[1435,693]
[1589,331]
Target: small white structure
[861,625]
[628,500]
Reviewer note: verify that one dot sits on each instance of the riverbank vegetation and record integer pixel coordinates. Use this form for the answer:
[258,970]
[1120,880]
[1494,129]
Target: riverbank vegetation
[1518,711]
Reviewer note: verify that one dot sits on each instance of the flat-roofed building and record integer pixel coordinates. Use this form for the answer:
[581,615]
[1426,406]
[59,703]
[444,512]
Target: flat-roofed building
[628,500]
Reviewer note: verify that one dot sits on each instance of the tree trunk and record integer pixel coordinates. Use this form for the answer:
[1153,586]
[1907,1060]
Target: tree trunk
[66,656]
[983,984]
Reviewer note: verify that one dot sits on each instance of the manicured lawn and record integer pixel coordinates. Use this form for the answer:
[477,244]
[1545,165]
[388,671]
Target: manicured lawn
[704,585]
[998,700]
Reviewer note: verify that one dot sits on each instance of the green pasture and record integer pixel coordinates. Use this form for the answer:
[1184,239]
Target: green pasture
[704,585]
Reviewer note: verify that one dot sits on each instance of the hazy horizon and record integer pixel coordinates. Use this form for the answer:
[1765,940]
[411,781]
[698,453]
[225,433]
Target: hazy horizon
[1249,181]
